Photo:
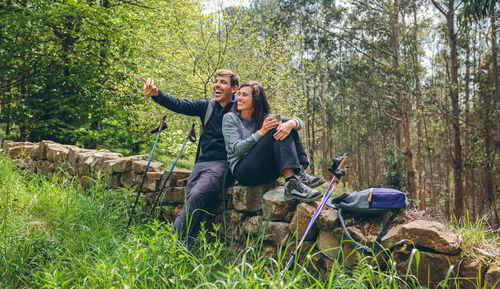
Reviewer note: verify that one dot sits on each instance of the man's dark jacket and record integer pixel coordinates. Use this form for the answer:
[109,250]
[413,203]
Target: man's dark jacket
[211,141]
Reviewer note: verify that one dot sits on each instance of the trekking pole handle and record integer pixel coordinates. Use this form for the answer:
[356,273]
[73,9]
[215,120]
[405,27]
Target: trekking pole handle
[191,134]
[162,126]
[343,161]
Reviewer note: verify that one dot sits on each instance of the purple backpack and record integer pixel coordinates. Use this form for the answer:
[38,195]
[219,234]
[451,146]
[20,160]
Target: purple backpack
[369,201]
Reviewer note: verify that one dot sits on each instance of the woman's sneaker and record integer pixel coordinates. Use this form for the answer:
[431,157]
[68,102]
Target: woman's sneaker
[310,181]
[296,190]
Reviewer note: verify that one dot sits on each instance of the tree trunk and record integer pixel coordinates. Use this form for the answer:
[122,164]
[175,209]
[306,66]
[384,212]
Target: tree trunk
[397,134]
[448,194]
[467,157]
[408,154]
[395,61]
[432,186]
[366,167]
[307,124]
[421,184]
[357,161]
[323,124]
[488,150]
[457,147]
[403,114]
[313,134]
[494,54]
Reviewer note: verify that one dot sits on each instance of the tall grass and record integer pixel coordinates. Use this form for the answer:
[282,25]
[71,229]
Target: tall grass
[478,237]
[55,235]
[471,230]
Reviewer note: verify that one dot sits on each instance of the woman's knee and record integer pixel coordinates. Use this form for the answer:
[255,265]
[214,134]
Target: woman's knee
[269,135]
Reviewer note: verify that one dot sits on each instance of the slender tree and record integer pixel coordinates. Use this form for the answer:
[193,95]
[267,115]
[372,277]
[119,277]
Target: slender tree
[449,14]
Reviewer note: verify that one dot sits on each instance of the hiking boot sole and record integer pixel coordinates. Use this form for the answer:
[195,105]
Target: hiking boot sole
[319,182]
[304,200]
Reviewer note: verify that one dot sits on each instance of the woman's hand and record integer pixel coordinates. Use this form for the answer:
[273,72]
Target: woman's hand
[269,123]
[284,129]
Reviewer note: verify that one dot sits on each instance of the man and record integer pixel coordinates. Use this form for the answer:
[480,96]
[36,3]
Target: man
[208,173]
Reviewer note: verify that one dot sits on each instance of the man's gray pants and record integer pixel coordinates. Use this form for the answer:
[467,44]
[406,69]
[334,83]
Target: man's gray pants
[201,196]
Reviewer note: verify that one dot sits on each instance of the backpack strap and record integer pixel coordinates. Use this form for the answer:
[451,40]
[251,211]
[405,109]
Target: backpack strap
[361,248]
[208,113]
[386,226]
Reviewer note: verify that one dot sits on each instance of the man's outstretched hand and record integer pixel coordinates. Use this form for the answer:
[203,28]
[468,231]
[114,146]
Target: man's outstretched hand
[149,88]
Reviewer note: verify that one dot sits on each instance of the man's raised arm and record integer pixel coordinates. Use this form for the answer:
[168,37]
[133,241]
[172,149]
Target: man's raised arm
[187,107]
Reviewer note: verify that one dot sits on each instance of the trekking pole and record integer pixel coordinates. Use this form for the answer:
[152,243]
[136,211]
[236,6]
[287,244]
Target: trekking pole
[162,126]
[337,175]
[192,137]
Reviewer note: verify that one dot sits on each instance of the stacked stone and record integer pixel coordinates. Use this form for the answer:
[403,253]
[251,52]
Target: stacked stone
[172,198]
[262,212]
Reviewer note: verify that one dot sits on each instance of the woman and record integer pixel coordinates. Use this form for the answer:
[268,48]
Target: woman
[260,149]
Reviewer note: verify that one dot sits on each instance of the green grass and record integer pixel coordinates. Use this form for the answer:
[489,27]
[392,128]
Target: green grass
[55,235]
[478,237]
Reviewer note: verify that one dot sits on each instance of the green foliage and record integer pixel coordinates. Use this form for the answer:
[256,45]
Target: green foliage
[477,236]
[469,230]
[55,235]
[65,66]
[475,10]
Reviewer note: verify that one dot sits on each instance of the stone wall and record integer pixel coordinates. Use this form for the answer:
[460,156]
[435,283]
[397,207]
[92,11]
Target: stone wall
[262,209]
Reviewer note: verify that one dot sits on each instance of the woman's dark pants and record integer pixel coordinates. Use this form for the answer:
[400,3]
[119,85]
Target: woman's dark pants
[267,160]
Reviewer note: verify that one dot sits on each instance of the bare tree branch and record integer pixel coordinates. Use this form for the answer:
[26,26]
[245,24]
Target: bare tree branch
[367,6]
[440,8]
[431,112]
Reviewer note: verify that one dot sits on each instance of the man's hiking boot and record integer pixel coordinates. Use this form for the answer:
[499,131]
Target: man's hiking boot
[310,181]
[296,190]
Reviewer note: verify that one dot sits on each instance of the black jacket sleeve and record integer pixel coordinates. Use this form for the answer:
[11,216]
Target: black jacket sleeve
[187,107]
